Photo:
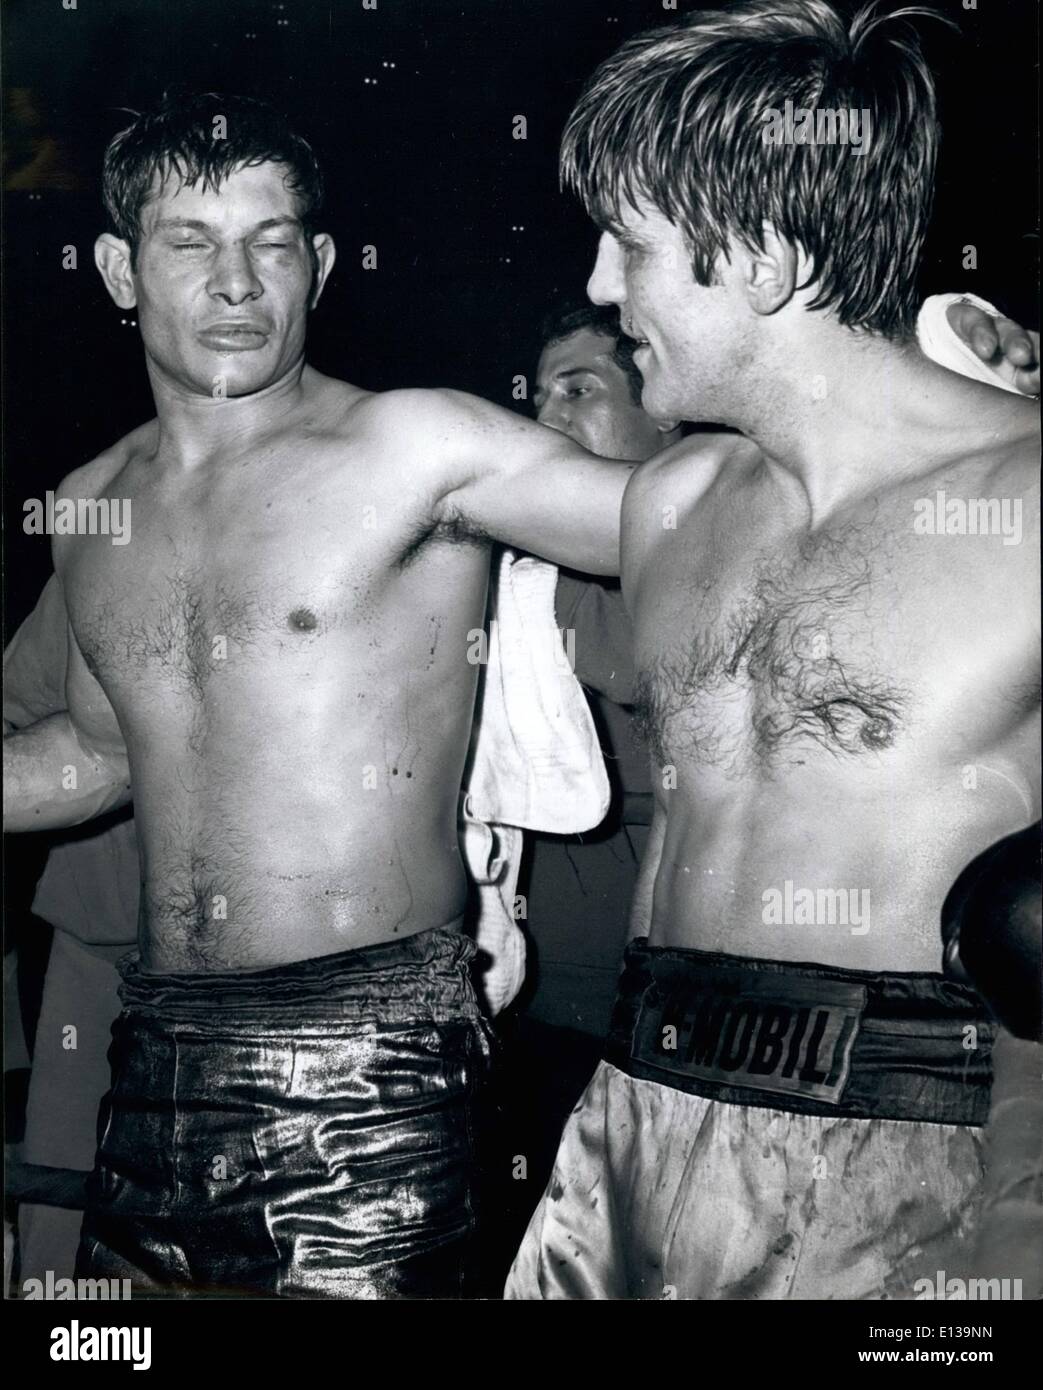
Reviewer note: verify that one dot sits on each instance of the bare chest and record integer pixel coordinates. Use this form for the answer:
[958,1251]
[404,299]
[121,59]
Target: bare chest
[760,656]
[218,571]
[173,614]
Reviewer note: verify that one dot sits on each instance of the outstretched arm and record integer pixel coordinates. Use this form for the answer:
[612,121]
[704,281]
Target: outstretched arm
[523,484]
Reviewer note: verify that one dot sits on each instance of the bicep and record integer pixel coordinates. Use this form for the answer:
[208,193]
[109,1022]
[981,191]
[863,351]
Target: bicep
[530,487]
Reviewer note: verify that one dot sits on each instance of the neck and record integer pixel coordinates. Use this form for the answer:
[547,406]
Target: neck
[193,428]
[842,411]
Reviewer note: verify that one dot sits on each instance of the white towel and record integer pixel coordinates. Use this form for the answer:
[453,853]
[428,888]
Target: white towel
[535,762]
[939,342]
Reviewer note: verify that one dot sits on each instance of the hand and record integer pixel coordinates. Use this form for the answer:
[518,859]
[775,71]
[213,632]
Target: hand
[1011,351]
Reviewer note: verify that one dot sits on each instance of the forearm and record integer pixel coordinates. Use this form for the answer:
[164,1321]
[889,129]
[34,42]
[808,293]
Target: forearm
[52,780]
[35,662]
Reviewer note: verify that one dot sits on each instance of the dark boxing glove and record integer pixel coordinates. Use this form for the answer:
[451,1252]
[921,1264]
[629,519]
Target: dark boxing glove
[992,927]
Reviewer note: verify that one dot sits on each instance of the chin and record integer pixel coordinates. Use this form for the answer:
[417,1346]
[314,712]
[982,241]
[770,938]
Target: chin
[240,379]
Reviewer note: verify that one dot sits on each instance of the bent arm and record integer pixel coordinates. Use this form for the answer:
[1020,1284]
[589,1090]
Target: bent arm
[35,662]
[526,485]
[53,777]
[70,766]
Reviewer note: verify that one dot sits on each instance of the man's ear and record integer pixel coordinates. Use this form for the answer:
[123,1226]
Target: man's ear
[771,272]
[325,255]
[112,257]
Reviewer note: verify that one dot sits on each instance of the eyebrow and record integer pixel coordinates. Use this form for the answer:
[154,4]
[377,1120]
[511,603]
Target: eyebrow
[568,373]
[193,224]
[575,371]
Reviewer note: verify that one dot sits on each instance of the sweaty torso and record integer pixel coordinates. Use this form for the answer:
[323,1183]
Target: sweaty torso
[283,644]
[840,717]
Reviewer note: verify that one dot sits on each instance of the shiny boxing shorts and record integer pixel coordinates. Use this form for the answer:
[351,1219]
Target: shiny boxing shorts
[767,1130]
[305,1131]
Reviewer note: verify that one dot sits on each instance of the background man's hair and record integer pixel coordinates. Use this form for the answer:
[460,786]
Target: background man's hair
[678,116]
[573,315]
[177,139]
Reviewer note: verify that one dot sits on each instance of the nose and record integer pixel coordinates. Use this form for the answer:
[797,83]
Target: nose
[555,415]
[607,284]
[232,276]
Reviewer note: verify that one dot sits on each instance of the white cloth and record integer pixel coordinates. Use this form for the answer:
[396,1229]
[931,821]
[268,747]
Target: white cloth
[938,341]
[535,761]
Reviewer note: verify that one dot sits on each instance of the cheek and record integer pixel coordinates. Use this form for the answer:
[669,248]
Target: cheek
[167,296]
[289,281]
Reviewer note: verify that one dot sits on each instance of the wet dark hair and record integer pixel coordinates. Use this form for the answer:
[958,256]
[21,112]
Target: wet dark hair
[177,139]
[574,315]
[677,116]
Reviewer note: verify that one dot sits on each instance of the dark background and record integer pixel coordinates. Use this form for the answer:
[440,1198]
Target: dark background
[421,163]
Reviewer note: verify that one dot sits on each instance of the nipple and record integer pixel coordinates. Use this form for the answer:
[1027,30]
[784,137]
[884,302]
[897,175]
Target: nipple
[877,733]
[303,620]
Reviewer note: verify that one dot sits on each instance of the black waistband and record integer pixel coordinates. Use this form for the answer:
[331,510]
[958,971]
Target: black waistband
[423,976]
[803,1037]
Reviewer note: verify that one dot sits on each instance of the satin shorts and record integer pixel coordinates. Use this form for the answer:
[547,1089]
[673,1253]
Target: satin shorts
[308,1131]
[760,1130]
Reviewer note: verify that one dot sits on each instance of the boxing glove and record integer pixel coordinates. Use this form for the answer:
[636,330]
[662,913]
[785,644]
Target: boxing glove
[992,927]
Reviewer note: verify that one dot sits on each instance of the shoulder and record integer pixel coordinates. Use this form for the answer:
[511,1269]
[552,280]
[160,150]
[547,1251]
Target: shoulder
[451,439]
[689,468]
[447,412]
[96,478]
[91,479]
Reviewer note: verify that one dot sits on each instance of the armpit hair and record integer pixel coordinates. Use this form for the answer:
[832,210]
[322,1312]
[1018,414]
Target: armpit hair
[452,529]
